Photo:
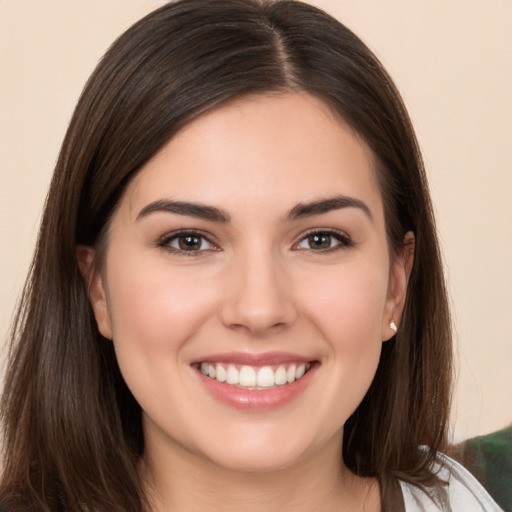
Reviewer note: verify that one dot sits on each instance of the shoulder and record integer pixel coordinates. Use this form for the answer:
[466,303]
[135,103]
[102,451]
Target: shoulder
[462,493]
[489,459]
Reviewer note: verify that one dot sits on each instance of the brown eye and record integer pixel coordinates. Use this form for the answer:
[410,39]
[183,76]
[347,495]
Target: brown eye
[187,242]
[324,241]
[190,242]
[319,241]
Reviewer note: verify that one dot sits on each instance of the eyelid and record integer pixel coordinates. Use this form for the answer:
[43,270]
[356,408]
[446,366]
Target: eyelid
[165,240]
[344,240]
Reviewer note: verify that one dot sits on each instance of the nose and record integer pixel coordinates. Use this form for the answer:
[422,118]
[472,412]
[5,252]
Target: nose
[259,296]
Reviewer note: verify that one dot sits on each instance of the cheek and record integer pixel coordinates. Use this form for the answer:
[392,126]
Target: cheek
[155,313]
[349,314]
[341,308]
[154,310]
[347,305]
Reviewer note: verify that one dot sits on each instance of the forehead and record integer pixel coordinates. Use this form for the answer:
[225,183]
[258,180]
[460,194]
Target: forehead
[268,151]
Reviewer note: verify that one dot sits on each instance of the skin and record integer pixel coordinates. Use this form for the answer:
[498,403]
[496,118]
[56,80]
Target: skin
[257,285]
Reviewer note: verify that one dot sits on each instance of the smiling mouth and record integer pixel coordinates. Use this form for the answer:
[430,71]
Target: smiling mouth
[255,378]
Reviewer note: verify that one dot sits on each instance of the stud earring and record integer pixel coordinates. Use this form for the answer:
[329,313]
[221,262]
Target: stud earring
[393,326]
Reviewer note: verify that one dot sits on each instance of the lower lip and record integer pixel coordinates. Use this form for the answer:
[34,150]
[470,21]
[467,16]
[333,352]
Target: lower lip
[257,400]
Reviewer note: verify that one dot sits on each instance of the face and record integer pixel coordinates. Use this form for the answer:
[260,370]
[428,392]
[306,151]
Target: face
[247,284]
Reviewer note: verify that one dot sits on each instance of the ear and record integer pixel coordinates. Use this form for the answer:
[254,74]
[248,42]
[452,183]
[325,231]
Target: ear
[397,289]
[97,294]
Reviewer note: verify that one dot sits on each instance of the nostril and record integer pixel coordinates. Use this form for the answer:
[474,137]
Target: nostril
[257,316]
[258,327]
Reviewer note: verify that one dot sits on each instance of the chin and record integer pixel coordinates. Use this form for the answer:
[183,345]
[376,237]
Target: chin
[260,454]
[256,462]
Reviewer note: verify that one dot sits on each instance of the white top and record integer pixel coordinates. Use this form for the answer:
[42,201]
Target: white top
[463,494]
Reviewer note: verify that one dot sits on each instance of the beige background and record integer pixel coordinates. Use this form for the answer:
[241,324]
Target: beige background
[452,60]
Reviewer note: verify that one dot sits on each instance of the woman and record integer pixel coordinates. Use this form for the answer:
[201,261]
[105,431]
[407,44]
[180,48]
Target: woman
[237,299]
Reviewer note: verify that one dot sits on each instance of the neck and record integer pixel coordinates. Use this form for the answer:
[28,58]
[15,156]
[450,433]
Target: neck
[184,482]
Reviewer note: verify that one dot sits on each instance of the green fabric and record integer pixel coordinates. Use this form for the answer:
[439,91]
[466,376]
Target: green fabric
[489,458]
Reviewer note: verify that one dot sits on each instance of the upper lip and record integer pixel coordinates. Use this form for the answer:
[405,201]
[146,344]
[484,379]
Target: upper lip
[251,359]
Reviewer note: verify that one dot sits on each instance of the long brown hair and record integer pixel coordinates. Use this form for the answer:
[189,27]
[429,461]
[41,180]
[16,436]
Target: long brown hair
[72,429]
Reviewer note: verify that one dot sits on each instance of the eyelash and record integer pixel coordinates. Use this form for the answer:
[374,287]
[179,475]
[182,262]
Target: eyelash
[166,240]
[344,242]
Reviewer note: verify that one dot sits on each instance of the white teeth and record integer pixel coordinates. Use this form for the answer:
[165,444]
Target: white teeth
[265,377]
[247,377]
[280,376]
[253,378]
[290,374]
[232,375]
[220,373]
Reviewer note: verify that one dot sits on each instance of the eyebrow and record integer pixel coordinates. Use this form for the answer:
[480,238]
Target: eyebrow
[214,214]
[184,208]
[327,205]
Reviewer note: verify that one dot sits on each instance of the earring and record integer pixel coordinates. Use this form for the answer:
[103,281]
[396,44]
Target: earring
[393,326]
